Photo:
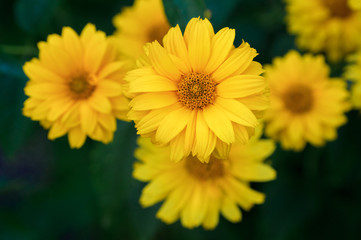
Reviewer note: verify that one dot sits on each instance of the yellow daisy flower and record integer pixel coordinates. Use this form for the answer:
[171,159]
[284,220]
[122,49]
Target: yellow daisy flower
[306,105]
[195,192]
[144,22]
[75,86]
[198,92]
[353,73]
[332,26]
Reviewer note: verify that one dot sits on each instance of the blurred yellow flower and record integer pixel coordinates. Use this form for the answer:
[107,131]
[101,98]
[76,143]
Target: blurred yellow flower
[198,92]
[331,26]
[75,86]
[195,192]
[306,105]
[355,4]
[144,22]
[353,73]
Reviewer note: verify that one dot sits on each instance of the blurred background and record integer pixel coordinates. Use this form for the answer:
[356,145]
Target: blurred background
[49,191]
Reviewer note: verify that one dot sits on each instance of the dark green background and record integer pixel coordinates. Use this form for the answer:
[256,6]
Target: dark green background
[48,191]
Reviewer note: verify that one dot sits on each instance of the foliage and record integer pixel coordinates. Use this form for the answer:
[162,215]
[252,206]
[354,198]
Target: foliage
[48,191]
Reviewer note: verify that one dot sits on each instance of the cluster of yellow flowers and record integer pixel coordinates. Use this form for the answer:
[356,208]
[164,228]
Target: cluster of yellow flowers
[197,101]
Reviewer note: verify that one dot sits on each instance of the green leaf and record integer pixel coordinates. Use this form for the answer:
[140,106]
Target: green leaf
[15,127]
[117,191]
[220,13]
[181,11]
[33,16]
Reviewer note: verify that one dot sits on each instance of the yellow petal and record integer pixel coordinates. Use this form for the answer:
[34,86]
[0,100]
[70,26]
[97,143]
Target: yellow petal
[219,123]
[174,44]
[177,151]
[211,144]
[71,118]
[46,90]
[88,118]
[40,111]
[212,216]
[256,102]
[191,24]
[237,112]
[159,188]
[148,101]
[119,103]
[94,54]
[295,131]
[222,150]
[189,28]
[255,68]
[240,133]
[199,46]
[241,86]
[101,134]
[230,210]
[55,58]
[73,46]
[107,121]
[258,172]
[109,88]
[150,122]
[59,107]
[202,135]
[38,73]
[238,61]
[110,69]
[152,83]
[190,134]
[246,194]
[57,130]
[194,210]
[76,137]
[169,211]
[87,32]
[162,62]
[99,102]
[222,43]
[172,125]
[180,64]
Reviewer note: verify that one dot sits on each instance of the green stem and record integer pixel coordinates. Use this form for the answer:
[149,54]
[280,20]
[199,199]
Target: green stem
[18,50]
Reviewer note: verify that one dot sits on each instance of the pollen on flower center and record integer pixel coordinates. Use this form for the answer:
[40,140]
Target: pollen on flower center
[80,87]
[196,90]
[204,171]
[298,99]
[338,8]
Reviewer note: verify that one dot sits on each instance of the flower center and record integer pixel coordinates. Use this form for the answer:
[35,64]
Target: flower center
[338,8]
[298,99]
[157,33]
[204,171]
[80,87]
[196,90]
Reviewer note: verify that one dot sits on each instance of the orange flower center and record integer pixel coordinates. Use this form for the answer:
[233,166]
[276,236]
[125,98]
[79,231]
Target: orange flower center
[157,33]
[81,87]
[196,90]
[338,8]
[298,99]
[213,169]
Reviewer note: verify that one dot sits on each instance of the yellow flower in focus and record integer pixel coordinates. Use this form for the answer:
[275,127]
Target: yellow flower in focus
[195,192]
[353,73]
[306,105]
[331,26]
[144,22]
[198,92]
[75,86]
